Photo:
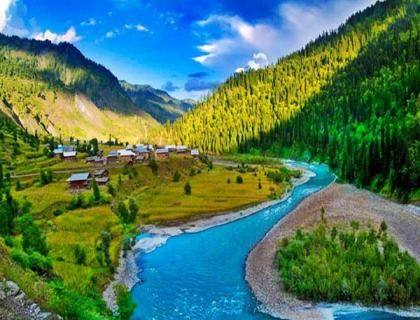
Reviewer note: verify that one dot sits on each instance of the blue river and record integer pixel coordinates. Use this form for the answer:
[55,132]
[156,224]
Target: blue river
[201,275]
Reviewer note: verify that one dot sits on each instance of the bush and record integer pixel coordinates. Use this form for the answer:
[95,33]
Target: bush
[176,176]
[57,212]
[125,304]
[228,181]
[79,254]
[239,180]
[187,189]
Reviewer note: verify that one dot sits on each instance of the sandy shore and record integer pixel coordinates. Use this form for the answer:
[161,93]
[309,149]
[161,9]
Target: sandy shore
[127,271]
[342,204]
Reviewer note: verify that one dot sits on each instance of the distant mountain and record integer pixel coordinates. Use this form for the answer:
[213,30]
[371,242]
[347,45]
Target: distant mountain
[158,103]
[54,89]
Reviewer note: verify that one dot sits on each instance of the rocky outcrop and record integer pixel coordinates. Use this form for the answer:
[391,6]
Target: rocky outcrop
[14,304]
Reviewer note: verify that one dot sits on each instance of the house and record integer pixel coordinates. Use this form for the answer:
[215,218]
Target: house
[140,159]
[171,147]
[70,156]
[100,161]
[79,181]
[91,159]
[142,151]
[100,173]
[101,177]
[129,147]
[162,153]
[181,149]
[195,152]
[58,153]
[150,147]
[127,156]
[112,157]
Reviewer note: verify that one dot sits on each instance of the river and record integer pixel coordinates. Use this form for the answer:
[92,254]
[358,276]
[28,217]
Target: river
[201,275]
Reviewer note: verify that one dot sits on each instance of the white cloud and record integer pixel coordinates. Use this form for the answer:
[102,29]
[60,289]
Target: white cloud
[90,22]
[70,36]
[110,34]
[138,27]
[258,61]
[239,70]
[11,21]
[230,40]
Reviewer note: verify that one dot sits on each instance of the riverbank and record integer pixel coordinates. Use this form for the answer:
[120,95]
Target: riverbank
[127,271]
[342,203]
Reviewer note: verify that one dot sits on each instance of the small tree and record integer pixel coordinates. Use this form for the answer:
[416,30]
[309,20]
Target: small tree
[32,240]
[111,190]
[79,254]
[105,245]
[259,185]
[18,185]
[153,165]
[133,208]
[187,189]
[239,180]
[122,212]
[96,192]
[1,175]
[177,176]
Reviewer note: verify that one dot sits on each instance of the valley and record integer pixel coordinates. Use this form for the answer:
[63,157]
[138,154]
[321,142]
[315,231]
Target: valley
[120,201]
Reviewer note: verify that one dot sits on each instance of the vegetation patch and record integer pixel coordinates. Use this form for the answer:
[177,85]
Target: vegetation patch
[353,266]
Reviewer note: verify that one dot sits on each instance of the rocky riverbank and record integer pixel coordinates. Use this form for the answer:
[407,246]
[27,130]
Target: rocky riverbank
[342,203]
[14,304]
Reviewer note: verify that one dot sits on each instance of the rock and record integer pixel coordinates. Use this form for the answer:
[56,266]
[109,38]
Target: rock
[21,296]
[13,288]
[45,316]
[2,295]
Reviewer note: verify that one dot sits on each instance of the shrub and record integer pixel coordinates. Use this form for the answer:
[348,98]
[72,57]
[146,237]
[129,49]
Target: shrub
[187,189]
[79,254]
[177,176]
[228,181]
[57,212]
[125,304]
[239,180]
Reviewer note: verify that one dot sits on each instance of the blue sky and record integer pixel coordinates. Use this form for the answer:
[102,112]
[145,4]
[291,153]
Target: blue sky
[183,46]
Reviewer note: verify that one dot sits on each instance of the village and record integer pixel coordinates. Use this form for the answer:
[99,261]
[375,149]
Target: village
[137,154]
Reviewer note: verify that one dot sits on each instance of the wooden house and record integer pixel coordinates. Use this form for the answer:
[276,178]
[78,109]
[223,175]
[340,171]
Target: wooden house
[162,153]
[79,181]
[181,149]
[195,152]
[127,156]
[100,161]
[112,157]
[142,151]
[101,173]
[171,148]
[70,156]
[91,159]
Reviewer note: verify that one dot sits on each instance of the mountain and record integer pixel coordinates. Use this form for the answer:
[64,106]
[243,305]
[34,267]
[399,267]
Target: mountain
[350,99]
[159,104]
[54,89]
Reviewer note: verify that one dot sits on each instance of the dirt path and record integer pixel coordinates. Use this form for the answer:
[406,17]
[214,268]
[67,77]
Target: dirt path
[342,204]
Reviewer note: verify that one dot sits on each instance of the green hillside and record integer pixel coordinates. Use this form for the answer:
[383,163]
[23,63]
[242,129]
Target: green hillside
[54,89]
[350,98]
[158,103]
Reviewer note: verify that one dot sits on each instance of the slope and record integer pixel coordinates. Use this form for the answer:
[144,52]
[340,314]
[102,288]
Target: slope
[159,104]
[54,89]
[350,98]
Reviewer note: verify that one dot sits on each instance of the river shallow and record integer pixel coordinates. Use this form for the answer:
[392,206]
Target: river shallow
[201,275]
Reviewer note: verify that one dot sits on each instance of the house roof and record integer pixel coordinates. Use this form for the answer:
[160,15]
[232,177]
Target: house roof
[69,154]
[128,147]
[126,153]
[141,149]
[164,150]
[183,148]
[104,179]
[79,177]
[113,154]
[99,172]
[58,151]
[195,152]
[91,158]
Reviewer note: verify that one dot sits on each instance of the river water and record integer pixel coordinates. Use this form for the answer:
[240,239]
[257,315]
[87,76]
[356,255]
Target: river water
[201,275]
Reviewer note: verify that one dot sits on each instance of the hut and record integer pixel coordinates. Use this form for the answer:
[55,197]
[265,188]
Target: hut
[162,153]
[70,156]
[79,181]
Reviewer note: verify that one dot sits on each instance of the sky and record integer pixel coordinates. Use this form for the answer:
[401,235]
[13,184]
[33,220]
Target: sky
[186,47]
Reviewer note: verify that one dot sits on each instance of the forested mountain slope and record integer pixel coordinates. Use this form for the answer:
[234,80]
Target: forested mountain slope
[55,89]
[350,98]
[158,103]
